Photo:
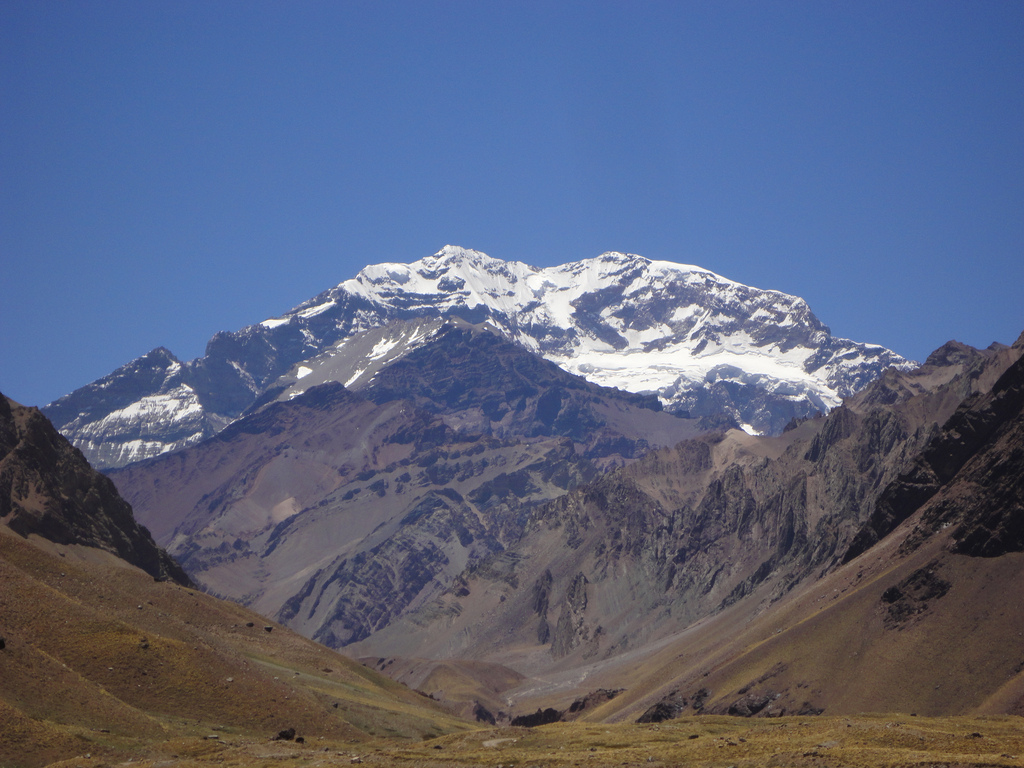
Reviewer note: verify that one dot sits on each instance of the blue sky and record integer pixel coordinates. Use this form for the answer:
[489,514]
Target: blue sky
[171,169]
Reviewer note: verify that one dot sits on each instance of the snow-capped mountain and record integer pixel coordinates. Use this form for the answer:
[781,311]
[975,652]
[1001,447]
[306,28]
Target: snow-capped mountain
[703,343]
[625,321]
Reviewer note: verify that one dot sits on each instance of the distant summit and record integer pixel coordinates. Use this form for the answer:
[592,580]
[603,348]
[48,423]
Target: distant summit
[702,343]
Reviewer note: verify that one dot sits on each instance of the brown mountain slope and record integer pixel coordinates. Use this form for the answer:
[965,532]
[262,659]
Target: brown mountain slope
[48,488]
[115,684]
[929,620]
[949,644]
[335,513]
[99,658]
[338,511]
[102,656]
[686,548]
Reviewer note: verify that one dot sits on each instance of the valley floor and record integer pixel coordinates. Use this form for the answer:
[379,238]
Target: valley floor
[863,740]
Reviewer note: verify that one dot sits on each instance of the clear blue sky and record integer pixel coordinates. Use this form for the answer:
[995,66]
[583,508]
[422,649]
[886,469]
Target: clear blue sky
[171,169]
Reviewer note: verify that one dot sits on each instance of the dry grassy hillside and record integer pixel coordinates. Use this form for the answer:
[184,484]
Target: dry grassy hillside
[100,659]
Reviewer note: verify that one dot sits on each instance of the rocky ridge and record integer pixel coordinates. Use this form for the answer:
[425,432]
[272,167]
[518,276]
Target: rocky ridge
[926,619]
[728,525]
[48,489]
[702,343]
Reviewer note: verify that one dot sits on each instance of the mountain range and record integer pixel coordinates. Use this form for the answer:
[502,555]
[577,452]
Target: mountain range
[480,522]
[704,345]
[365,504]
[869,560]
[615,490]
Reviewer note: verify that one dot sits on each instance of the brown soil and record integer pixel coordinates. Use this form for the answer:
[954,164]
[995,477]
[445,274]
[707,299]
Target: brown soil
[99,658]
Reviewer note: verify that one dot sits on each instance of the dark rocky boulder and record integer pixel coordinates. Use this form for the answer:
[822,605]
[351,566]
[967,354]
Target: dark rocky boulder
[752,704]
[673,705]
[590,701]
[483,715]
[540,717]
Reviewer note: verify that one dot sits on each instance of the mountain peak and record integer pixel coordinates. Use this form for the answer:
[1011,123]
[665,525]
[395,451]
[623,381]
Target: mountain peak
[622,258]
[457,259]
[458,253]
[703,343]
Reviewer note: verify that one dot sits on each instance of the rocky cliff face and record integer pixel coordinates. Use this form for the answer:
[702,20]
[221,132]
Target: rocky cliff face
[970,478]
[689,531]
[339,511]
[48,488]
[702,343]
[922,615]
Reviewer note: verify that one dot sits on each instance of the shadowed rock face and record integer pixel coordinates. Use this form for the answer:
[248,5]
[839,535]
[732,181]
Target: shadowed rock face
[48,488]
[976,461]
[673,705]
[984,499]
[499,389]
[910,597]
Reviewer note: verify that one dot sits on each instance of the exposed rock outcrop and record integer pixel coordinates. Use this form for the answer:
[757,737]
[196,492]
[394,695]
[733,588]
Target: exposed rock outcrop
[48,488]
[977,458]
[540,717]
[690,531]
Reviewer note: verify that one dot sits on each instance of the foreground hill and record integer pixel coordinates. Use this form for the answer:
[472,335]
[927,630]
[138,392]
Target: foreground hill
[710,576]
[104,657]
[48,488]
[705,344]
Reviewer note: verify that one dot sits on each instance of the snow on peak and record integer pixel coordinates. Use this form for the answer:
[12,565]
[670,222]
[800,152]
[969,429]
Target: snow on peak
[703,342]
[457,254]
[623,320]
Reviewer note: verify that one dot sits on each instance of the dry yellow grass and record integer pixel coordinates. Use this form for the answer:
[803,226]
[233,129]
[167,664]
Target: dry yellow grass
[866,741]
[90,679]
[101,660]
